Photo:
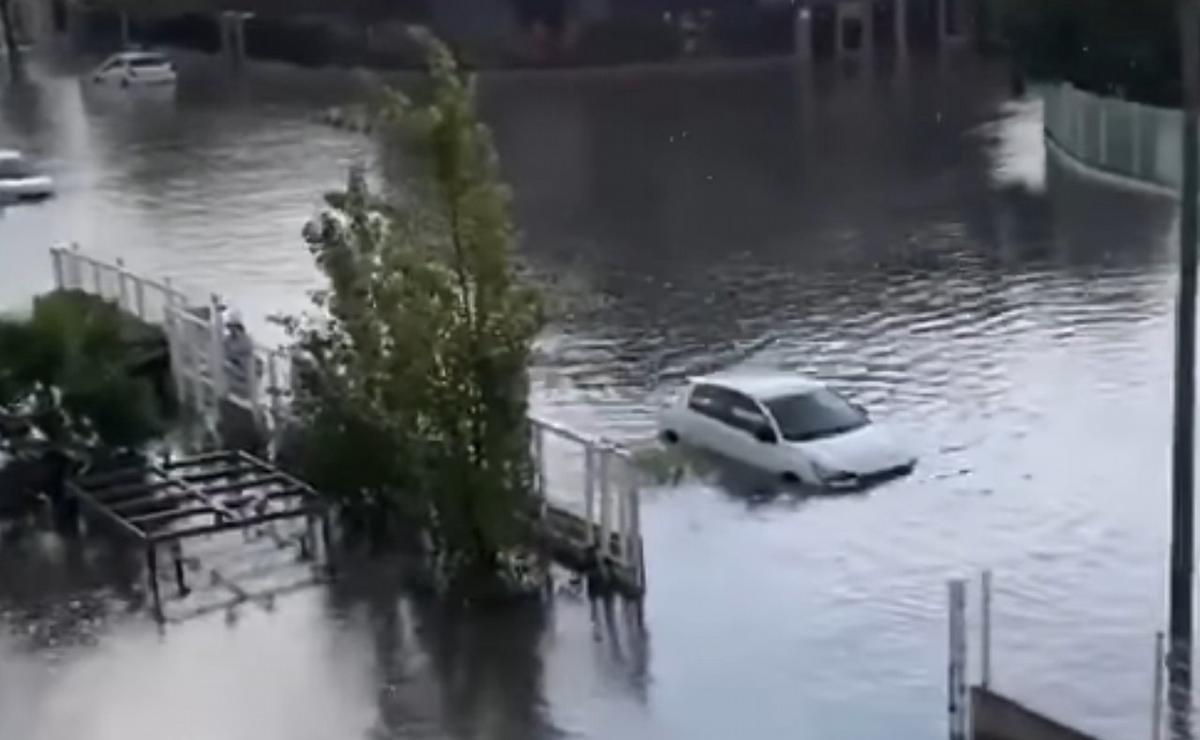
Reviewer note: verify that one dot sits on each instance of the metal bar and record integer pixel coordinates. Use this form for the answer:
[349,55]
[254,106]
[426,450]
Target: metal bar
[1157,701]
[217,359]
[56,259]
[211,529]
[162,517]
[139,297]
[108,478]
[122,291]
[177,558]
[131,492]
[277,479]
[104,511]
[152,568]
[605,505]
[132,507]
[200,477]
[985,643]
[266,467]
[206,458]
[589,492]
[196,493]
[958,660]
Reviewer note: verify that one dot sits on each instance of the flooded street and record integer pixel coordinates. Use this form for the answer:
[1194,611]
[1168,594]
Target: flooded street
[899,234]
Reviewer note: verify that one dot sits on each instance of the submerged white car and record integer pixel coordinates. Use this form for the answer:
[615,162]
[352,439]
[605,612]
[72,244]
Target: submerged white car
[19,181]
[130,68]
[787,425]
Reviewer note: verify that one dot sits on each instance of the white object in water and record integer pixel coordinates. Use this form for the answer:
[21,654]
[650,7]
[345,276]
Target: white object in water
[19,181]
[794,427]
[134,68]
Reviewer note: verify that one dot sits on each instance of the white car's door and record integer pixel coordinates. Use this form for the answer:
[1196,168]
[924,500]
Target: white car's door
[705,414]
[110,72]
[748,421]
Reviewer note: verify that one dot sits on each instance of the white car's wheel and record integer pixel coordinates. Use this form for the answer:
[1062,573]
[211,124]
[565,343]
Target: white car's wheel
[669,437]
[790,478]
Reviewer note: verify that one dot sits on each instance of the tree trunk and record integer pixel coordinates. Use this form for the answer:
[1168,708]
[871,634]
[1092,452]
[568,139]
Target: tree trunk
[10,38]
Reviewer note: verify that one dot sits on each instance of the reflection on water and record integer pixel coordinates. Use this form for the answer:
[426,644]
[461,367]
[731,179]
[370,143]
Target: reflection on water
[900,235]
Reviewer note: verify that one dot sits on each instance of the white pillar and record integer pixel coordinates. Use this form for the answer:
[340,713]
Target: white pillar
[900,26]
[803,30]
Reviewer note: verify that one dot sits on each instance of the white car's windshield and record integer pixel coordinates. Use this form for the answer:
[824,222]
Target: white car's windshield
[809,416]
[142,62]
[12,168]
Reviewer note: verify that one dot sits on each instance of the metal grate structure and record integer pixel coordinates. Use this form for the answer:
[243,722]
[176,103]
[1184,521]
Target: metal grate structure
[163,505]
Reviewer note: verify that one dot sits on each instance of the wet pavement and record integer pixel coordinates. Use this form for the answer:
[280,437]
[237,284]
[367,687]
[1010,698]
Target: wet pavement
[901,235]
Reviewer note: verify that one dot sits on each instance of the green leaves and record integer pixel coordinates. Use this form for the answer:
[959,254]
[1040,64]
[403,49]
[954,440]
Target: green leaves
[67,370]
[415,385]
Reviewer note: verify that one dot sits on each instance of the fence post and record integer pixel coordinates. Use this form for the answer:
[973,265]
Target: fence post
[56,257]
[216,352]
[958,660]
[985,638]
[97,277]
[177,343]
[1136,162]
[276,400]
[605,503]
[1103,133]
[589,490]
[253,388]
[1157,704]
[76,267]
[539,461]
[122,291]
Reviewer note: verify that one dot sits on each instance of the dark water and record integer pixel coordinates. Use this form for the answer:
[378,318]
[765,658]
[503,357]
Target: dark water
[903,236]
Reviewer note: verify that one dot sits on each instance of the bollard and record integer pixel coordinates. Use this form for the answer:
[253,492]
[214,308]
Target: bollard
[985,641]
[957,677]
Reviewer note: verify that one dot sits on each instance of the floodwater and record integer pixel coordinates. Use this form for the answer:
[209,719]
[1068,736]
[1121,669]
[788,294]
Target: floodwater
[899,233]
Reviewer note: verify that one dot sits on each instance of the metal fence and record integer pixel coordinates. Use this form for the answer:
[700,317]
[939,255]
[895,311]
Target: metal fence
[1120,137]
[586,484]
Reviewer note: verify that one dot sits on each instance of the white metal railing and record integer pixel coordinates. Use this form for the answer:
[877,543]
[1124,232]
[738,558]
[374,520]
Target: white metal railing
[603,493]
[203,372]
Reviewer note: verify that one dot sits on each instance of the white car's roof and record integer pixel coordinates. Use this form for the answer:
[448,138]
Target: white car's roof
[9,154]
[762,384]
[133,56]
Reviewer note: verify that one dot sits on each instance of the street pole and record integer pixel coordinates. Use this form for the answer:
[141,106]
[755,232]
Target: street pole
[1183,448]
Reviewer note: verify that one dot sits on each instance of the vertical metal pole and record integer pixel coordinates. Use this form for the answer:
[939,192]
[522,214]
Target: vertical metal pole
[97,277]
[276,400]
[177,345]
[152,574]
[985,646]
[539,461]
[216,351]
[1136,112]
[139,297]
[1183,448]
[327,541]
[605,504]
[589,491]
[76,267]
[1103,133]
[1157,704]
[958,660]
[122,290]
[56,257]
[177,561]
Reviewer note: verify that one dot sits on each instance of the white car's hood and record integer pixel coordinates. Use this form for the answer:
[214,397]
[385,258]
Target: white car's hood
[864,451]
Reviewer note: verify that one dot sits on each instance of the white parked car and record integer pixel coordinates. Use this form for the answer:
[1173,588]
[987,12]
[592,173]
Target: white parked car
[787,425]
[130,68]
[19,181]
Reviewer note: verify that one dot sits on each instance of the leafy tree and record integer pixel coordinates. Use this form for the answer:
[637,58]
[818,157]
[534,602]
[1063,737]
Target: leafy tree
[65,381]
[413,388]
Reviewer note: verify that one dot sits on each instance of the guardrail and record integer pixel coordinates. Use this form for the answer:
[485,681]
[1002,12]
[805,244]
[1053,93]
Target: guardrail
[1138,142]
[596,505]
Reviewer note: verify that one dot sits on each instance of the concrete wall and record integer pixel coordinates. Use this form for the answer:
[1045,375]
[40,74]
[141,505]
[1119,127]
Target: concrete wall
[1118,137]
[995,717]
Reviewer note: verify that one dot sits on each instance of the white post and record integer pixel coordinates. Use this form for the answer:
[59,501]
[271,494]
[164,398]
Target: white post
[216,351]
[76,268]
[605,503]
[900,27]
[276,403]
[621,493]
[253,388]
[635,529]
[589,490]
[139,297]
[97,277]
[56,257]
[1157,703]
[122,291]
[1136,112]
[177,344]
[539,461]
[958,660]
[985,641]
[1103,133]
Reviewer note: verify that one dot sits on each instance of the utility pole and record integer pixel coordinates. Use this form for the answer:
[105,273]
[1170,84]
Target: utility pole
[1183,449]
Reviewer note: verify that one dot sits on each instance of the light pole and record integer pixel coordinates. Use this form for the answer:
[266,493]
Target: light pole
[1183,447]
